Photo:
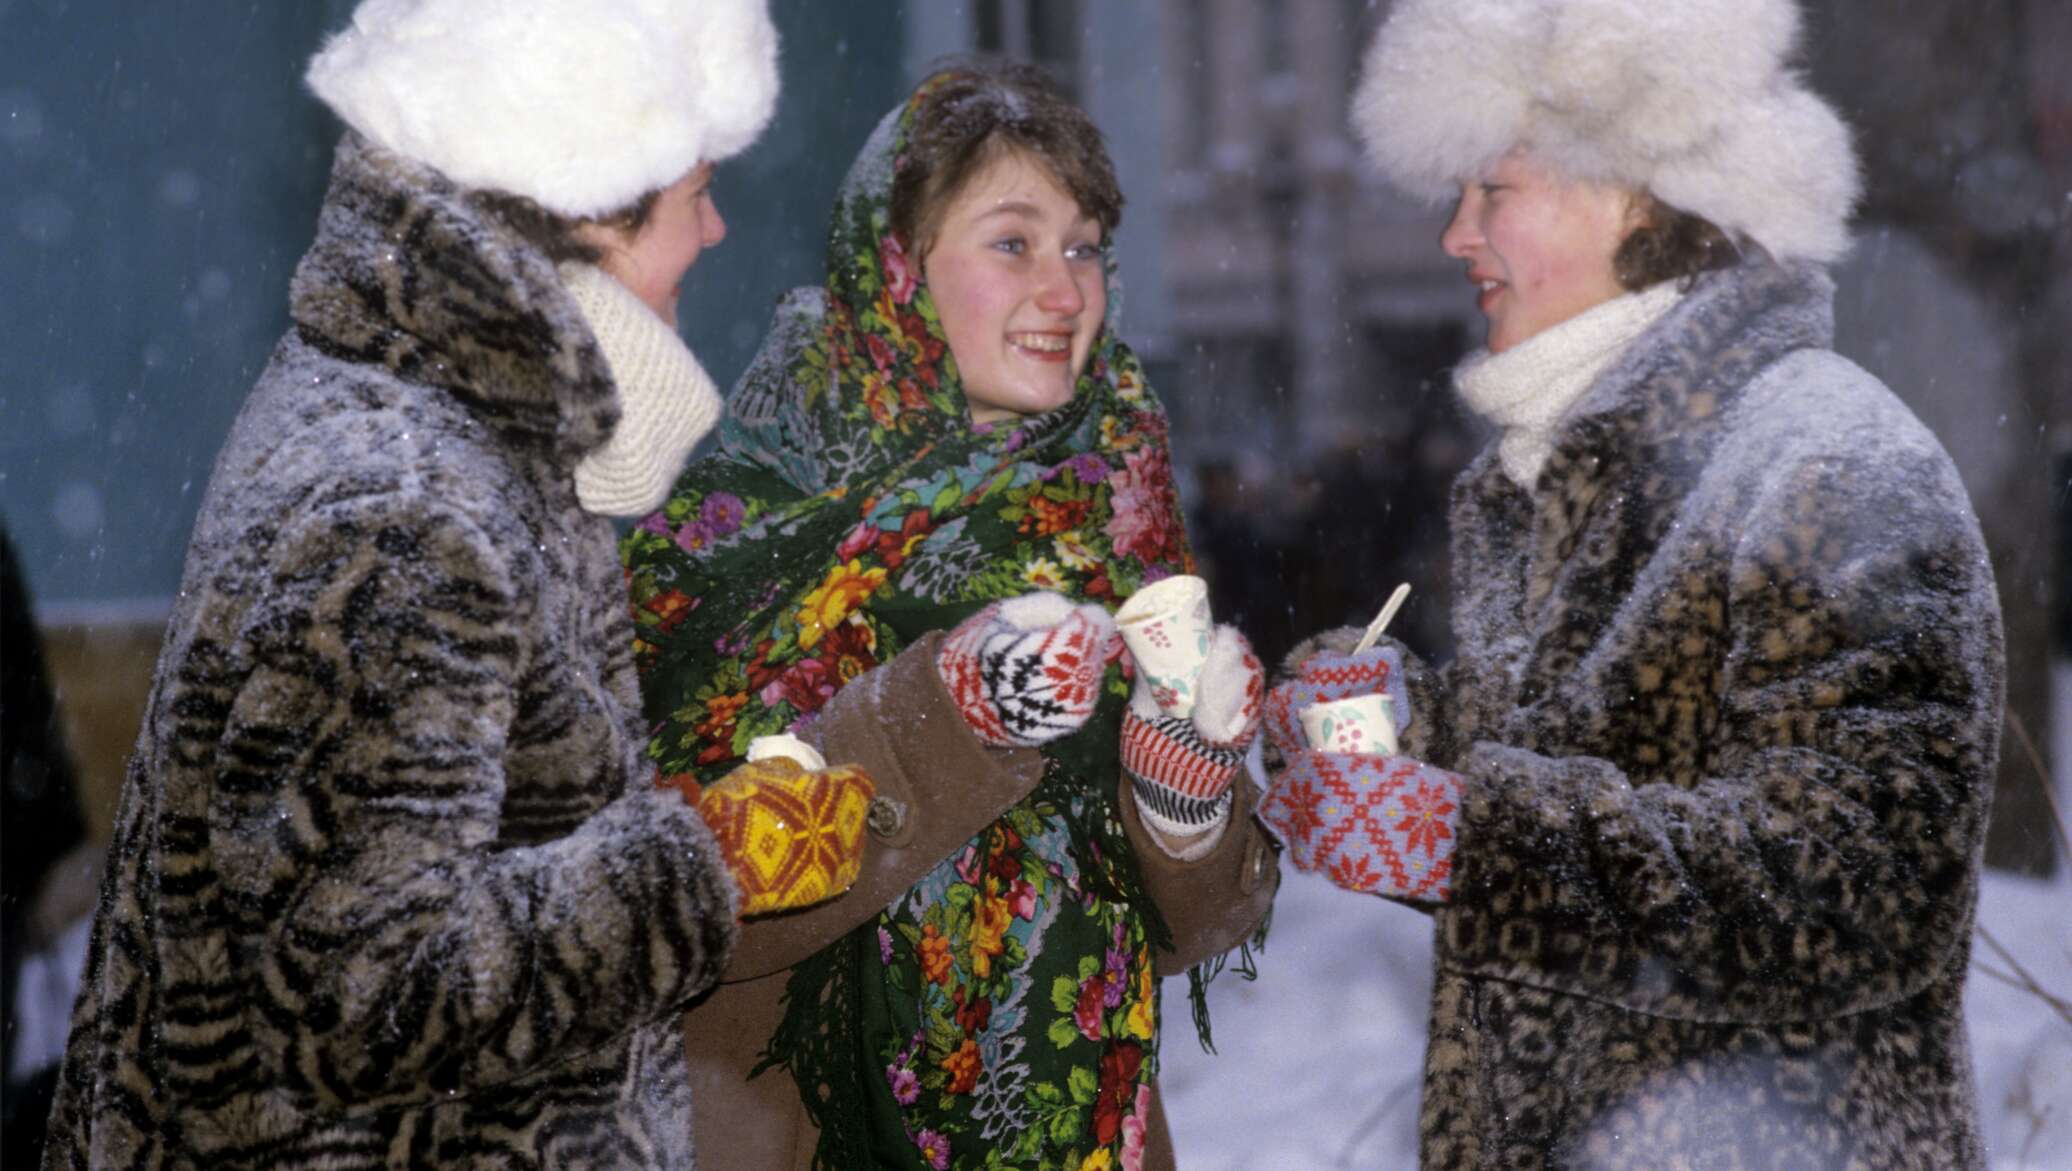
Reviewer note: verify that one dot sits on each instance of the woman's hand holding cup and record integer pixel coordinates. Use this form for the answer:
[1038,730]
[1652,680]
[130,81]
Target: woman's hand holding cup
[1194,707]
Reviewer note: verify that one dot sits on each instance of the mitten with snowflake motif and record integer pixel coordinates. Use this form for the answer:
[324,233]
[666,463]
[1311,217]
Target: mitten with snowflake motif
[1374,824]
[1028,670]
[1381,825]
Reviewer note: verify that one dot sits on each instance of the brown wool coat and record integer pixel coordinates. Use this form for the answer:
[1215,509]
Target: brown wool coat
[900,724]
[1727,704]
[391,885]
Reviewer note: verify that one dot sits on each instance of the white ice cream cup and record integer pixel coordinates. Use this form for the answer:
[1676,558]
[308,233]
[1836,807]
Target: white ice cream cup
[1166,628]
[1357,726]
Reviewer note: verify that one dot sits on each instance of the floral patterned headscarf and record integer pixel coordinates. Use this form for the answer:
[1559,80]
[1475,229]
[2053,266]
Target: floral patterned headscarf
[853,505]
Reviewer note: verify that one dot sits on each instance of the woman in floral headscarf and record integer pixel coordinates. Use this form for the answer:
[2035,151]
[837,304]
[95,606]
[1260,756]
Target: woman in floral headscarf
[940,428]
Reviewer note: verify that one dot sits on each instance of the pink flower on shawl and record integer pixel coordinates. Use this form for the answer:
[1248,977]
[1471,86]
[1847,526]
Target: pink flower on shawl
[900,279]
[1021,899]
[1146,524]
[862,537]
[967,866]
[1133,1130]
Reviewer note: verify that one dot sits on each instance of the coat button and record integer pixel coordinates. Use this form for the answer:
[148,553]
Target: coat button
[887,817]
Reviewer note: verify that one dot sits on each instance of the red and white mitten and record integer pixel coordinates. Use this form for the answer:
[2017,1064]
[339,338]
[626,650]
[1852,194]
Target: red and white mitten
[1181,766]
[1027,671]
[1375,824]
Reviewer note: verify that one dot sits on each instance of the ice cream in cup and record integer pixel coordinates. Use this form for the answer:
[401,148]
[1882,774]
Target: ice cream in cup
[786,745]
[1359,725]
[1166,627]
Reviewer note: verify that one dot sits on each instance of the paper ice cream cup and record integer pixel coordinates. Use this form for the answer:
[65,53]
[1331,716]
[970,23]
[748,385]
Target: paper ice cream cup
[1166,628]
[1359,726]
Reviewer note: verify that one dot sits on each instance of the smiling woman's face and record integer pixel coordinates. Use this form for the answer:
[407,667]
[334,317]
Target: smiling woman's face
[1018,278]
[1539,247]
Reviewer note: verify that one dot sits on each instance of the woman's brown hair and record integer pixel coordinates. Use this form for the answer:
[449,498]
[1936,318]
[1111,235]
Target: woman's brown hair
[974,113]
[554,234]
[1670,245]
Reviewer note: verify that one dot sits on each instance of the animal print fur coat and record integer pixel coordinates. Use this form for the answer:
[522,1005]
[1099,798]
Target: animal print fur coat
[1727,706]
[390,884]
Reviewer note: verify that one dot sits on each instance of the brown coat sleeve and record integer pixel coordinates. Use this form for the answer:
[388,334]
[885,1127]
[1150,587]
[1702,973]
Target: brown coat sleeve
[938,786]
[1213,902]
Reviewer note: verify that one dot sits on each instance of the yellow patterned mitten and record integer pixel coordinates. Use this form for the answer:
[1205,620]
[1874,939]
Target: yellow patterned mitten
[791,837]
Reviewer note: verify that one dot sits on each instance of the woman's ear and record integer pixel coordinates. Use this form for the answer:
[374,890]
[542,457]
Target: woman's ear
[603,237]
[1640,213]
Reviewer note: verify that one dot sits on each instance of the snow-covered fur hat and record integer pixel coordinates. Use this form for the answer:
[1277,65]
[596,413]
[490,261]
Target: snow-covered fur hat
[1694,100]
[582,106]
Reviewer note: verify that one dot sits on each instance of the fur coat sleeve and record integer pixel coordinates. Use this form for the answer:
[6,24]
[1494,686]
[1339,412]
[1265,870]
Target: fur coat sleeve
[408,954]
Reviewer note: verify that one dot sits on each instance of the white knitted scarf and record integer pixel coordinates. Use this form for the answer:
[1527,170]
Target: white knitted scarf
[1529,388]
[667,403]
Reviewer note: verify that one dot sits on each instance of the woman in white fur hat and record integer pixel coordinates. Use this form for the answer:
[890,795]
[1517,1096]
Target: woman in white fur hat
[1698,805]
[391,885]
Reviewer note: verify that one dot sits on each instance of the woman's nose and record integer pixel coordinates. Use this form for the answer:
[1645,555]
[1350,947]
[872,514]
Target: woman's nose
[1460,236]
[1059,292]
[715,226]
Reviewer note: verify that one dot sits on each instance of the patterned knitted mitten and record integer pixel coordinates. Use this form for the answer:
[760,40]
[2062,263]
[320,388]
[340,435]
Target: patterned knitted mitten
[1027,671]
[1181,767]
[791,838]
[1375,824]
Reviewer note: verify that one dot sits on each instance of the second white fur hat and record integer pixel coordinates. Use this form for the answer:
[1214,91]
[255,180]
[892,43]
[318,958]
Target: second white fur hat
[1694,100]
[582,106]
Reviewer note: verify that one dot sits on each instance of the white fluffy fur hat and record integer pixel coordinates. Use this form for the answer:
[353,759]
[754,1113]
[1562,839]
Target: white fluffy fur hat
[1694,100]
[580,105]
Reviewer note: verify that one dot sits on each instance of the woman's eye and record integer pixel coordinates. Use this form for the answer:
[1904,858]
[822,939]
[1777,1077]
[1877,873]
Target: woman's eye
[1012,245]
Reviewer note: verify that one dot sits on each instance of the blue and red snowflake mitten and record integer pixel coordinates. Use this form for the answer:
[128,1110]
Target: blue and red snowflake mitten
[1374,824]
[1027,670]
[1181,767]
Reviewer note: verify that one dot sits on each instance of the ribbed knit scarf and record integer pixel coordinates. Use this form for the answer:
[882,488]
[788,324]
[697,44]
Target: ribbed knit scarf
[1529,388]
[667,403]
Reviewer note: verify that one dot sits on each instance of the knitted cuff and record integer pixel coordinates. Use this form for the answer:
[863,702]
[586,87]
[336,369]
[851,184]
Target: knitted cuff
[1376,824]
[1327,676]
[1181,781]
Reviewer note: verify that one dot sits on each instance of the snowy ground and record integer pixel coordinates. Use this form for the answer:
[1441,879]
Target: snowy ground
[1318,1060]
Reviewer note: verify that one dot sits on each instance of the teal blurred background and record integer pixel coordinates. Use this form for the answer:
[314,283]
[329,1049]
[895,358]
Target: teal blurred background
[162,164]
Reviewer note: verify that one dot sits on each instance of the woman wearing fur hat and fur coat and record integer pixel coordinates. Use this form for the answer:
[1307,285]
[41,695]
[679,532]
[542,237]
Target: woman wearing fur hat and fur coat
[1698,806]
[950,423]
[391,884]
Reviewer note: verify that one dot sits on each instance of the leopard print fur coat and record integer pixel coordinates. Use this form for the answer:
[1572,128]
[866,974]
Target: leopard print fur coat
[390,886]
[1727,705]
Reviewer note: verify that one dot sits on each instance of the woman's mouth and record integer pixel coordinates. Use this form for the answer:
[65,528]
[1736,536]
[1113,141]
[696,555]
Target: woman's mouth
[1487,292]
[1043,347]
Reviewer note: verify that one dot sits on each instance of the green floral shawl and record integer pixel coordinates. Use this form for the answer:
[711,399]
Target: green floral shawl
[1002,1013]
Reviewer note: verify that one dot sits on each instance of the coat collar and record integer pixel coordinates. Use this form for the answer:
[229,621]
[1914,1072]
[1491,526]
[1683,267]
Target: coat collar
[406,273]
[1668,394]
[1622,460]
[1661,403]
